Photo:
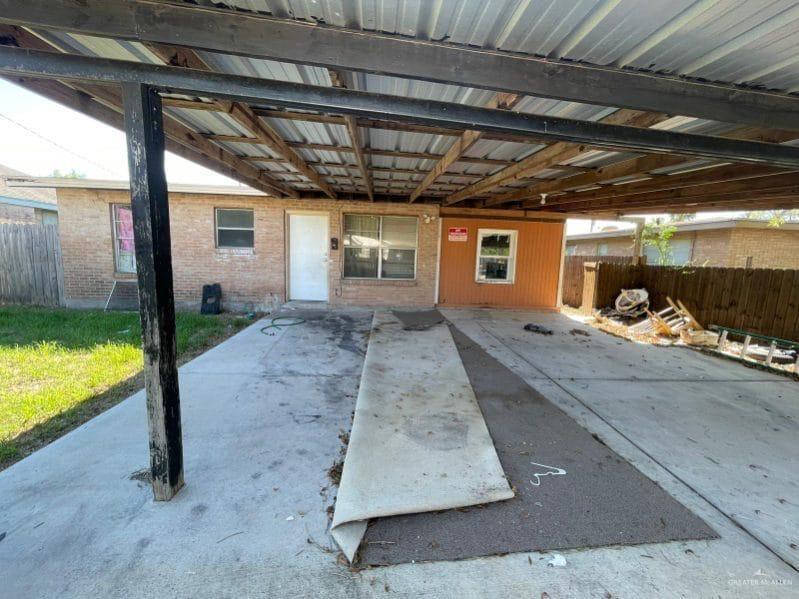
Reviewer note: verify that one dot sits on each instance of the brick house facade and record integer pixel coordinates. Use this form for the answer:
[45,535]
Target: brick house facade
[253,278]
[745,243]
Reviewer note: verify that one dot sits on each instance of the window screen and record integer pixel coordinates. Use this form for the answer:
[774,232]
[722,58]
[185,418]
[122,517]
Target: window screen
[124,250]
[677,253]
[496,256]
[235,228]
[379,247]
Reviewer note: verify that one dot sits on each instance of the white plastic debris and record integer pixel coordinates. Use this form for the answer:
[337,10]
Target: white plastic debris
[632,302]
[557,561]
[290,518]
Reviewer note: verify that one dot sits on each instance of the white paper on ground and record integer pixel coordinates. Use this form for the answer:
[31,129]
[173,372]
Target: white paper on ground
[418,441]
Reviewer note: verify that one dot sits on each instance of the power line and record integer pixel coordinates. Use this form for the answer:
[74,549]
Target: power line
[57,145]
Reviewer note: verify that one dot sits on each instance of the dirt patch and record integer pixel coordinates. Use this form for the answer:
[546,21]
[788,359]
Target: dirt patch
[334,472]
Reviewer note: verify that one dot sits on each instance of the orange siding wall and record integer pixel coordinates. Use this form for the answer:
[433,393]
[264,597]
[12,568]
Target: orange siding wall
[538,259]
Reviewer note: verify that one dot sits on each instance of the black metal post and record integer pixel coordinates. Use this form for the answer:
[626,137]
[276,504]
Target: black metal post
[145,135]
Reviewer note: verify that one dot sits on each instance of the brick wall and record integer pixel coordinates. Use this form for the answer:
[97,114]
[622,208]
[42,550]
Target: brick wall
[249,277]
[711,247]
[768,247]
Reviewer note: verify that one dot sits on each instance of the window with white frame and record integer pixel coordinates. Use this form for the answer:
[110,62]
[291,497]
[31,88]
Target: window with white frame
[379,247]
[496,255]
[124,249]
[235,228]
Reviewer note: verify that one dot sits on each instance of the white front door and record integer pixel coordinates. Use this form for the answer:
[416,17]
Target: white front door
[308,257]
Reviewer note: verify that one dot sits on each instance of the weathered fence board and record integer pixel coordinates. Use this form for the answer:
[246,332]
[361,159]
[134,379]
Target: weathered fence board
[30,265]
[573,273]
[760,300]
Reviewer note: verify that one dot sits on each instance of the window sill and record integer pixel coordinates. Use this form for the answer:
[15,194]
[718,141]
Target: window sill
[494,282]
[235,251]
[380,282]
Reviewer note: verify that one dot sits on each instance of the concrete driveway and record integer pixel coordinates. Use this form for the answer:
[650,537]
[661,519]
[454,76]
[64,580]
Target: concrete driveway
[262,417]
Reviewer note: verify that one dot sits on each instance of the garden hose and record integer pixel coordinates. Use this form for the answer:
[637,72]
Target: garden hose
[281,321]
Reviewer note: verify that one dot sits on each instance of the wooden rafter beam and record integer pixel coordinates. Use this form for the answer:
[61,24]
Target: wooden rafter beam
[551,156]
[764,202]
[345,149]
[252,90]
[701,193]
[289,40]
[665,183]
[462,145]
[177,131]
[350,122]
[106,102]
[374,169]
[243,114]
[787,198]
[636,166]
[326,119]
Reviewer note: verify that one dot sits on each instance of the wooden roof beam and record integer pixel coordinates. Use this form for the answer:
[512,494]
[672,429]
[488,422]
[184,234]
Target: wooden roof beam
[243,114]
[253,90]
[179,138]
[777,183]
[289,40]
[462,145]
[551,156]
[714,176]
[339,80]
[635,166]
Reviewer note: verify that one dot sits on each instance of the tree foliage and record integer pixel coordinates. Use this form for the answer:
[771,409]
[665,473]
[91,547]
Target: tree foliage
[775,218]
[657,233]
[72,174]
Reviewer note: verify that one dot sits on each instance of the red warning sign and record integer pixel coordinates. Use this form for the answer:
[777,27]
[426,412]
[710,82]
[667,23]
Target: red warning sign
[458,234]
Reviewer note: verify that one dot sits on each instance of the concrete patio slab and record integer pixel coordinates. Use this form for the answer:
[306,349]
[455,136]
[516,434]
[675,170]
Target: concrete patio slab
[728,431]
[261,430]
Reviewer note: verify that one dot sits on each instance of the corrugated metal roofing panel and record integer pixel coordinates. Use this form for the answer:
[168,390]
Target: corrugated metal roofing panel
[736,41]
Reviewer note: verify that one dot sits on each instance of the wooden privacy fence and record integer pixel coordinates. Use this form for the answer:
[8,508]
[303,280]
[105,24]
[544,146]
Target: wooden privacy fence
[574,273]
[30,265]
[760,300]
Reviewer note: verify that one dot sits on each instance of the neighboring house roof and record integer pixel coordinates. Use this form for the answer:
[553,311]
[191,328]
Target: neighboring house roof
[62,183]
[704,225]
[28,203]
[44,194]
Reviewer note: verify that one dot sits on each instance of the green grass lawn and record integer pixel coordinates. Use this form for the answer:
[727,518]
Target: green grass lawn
[59,367]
